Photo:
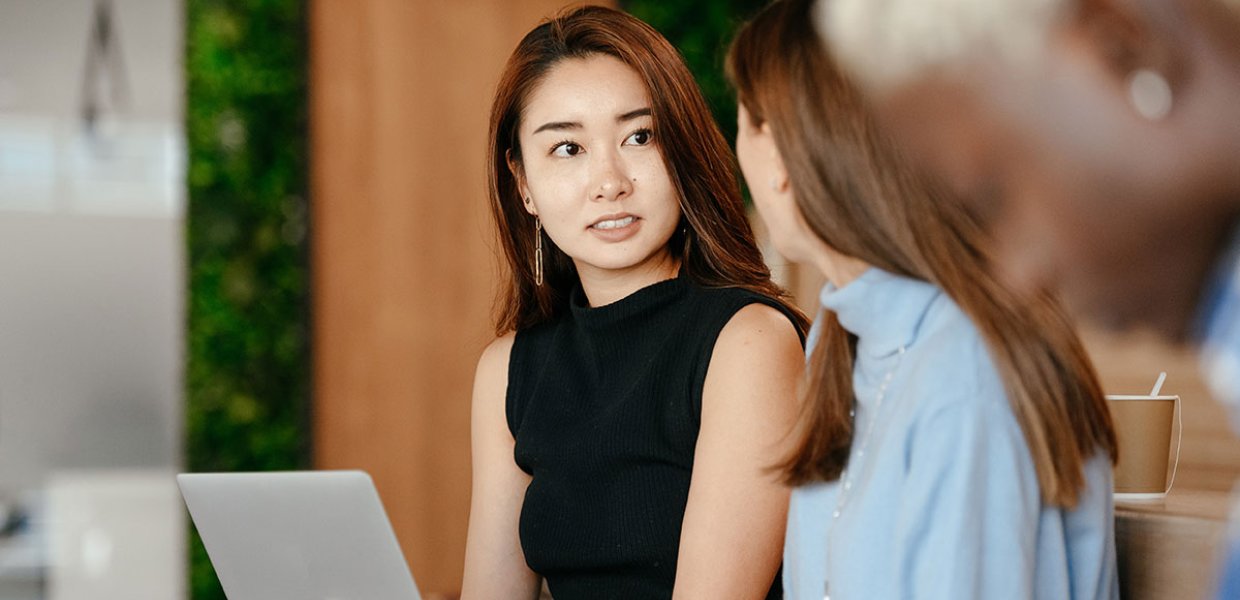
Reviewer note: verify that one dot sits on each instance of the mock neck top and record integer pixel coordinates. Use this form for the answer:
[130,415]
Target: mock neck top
[604,404]
[881,320]
[632,307]
[944,501]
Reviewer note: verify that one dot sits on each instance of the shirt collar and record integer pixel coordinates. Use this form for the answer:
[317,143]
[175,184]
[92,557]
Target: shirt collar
[883,310]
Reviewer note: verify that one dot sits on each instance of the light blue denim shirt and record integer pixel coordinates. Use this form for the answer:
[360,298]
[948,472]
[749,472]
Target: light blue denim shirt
[945,501]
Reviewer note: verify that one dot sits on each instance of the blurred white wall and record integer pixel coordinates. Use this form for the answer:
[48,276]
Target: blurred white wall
[91,258]
[44,43]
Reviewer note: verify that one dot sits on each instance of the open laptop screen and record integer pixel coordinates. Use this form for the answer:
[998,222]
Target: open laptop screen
[320,535]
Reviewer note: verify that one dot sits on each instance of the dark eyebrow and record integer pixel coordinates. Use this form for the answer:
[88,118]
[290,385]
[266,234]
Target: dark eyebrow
[558,126]
[633,114]
[565,125]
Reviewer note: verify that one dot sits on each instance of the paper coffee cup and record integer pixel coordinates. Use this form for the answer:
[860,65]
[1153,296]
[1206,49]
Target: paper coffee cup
[1143,427]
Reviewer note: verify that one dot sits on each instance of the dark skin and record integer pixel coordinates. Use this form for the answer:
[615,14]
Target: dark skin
[1126,215]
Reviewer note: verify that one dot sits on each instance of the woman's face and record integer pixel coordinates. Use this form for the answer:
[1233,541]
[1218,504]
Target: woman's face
[591,169]
[764,172]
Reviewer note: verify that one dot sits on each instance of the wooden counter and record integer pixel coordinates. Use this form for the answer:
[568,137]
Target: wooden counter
[1168,549]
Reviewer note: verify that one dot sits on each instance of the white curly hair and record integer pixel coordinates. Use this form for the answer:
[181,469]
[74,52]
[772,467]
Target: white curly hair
[885,42]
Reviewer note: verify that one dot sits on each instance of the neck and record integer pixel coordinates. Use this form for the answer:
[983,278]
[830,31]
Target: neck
[604,286]
[1181,273]
[839,269]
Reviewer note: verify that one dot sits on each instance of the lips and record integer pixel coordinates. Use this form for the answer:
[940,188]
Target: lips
[615,228]
[615,223]
[609,222]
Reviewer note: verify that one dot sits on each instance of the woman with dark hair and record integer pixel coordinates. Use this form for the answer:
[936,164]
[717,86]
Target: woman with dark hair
[954,441]
[625,419]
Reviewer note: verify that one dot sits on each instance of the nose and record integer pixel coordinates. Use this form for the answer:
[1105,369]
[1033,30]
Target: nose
[611,178]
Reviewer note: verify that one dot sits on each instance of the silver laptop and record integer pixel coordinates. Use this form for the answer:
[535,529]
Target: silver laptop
[306,535]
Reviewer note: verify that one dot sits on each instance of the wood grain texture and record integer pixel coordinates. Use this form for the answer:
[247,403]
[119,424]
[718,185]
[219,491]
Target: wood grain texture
[1168,550]
[404,272]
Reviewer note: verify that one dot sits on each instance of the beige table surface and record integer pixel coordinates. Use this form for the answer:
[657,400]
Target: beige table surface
[1169,548]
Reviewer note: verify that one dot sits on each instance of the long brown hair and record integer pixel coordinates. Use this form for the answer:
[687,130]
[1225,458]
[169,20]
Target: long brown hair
[714,242]
[858,195]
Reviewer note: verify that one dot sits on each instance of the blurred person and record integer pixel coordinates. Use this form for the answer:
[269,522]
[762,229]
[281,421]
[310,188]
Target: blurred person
[1100,139]
[954,442]
[625,419]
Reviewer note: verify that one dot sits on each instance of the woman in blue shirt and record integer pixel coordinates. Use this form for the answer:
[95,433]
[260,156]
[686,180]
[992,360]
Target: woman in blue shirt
[954,441]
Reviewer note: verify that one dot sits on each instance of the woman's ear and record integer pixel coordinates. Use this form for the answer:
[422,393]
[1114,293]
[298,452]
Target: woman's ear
[779,172]
[1131,36]
[518,175]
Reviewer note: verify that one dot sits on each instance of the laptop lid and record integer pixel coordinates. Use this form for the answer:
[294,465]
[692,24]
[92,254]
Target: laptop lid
[305,535]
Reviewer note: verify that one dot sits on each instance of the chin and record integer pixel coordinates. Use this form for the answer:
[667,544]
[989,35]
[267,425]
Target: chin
[617,263]
[621,261]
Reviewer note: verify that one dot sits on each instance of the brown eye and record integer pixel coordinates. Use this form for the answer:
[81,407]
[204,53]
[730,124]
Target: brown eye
[641,137]
[566,150]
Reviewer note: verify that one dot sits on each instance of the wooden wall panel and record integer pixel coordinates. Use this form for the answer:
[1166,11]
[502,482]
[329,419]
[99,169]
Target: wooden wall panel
[401,252]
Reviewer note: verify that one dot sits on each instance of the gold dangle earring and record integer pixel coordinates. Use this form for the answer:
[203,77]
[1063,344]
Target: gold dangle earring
[538,265]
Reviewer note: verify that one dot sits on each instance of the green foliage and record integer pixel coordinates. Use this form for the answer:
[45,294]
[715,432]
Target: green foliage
[248,372]
[702,32]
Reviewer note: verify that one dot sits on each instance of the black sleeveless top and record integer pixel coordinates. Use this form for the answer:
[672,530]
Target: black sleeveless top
[605,405]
